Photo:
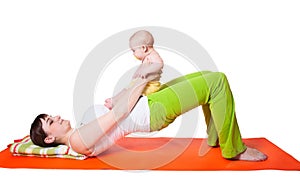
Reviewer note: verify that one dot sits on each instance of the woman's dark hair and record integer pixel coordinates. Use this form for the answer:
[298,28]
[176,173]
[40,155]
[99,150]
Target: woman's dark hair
[37,133]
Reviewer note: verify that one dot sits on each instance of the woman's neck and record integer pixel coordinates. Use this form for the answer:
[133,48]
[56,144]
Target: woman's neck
[66,139]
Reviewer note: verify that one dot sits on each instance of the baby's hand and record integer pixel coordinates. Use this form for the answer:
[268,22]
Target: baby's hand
[108,103]
[151,77]
[140,74]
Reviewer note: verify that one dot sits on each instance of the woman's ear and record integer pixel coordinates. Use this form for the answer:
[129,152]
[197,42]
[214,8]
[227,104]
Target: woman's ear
[49,139]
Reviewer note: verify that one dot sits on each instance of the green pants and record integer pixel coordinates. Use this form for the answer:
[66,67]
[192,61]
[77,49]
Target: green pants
[212,91]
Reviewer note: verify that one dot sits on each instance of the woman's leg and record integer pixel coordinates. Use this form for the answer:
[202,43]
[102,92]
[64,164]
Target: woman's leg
[210,89]
[212,139]
[211,130]
[183,78]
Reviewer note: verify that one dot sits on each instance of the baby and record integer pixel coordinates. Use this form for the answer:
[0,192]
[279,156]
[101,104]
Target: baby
[141,44]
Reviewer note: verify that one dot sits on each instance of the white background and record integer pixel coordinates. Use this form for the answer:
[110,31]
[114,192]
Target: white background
[256,43]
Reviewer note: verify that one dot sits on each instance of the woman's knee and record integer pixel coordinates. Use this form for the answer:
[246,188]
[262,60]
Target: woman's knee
[217,80]
[221,75]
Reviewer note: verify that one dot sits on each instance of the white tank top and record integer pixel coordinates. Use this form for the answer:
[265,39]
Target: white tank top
[137,121]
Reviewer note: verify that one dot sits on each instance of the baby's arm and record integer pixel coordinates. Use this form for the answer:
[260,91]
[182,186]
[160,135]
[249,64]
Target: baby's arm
[146,69]
[153,65]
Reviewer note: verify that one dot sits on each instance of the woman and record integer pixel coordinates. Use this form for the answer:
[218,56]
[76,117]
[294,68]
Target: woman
[152,113]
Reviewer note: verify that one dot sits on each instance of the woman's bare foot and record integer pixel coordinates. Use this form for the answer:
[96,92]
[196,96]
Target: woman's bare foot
[251,154]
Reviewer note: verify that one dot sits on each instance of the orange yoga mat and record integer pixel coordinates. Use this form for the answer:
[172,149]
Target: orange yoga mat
[161,154]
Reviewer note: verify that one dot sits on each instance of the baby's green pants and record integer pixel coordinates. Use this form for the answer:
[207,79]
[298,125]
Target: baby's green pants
[212,91]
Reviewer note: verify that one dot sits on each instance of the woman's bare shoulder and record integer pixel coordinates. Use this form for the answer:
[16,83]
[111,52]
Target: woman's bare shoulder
[77,144]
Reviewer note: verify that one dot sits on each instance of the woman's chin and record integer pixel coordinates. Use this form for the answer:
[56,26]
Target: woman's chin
[67,123]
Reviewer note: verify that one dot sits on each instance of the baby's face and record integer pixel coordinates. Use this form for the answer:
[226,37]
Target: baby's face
[138,52]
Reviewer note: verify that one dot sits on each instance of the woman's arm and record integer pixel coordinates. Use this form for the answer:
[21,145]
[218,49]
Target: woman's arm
[85,137]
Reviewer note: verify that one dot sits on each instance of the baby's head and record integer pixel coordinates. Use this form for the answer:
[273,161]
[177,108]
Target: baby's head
[141,38]
[141,42]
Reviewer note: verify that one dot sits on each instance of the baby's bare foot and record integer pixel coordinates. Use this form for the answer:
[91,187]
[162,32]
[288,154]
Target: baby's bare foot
[108,103]
[251,154]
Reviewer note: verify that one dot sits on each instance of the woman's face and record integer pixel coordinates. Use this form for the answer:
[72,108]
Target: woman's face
[55,126]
